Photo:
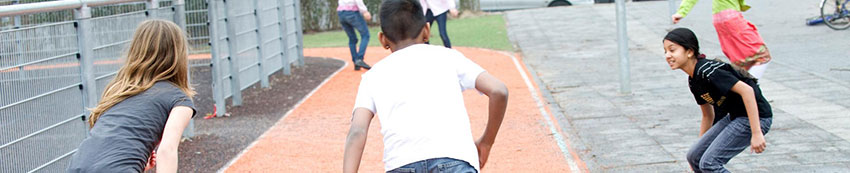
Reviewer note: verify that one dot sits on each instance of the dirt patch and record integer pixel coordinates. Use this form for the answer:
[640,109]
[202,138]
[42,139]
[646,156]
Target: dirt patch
[218,140]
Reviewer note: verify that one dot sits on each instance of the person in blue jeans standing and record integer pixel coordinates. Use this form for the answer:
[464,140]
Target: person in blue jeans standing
[437,10]
[716,84]
[353,15]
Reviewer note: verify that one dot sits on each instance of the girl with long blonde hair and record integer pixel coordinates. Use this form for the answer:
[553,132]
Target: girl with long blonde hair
[145,107]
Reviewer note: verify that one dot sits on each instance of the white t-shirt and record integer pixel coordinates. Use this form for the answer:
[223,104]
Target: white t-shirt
[416,93]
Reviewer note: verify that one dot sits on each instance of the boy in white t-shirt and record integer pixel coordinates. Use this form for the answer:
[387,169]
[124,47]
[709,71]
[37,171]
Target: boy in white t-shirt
[417,93]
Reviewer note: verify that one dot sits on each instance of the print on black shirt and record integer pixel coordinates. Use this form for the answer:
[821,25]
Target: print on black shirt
[712,82]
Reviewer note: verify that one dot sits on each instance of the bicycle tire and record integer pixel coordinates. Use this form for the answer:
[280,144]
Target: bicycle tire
[835,14]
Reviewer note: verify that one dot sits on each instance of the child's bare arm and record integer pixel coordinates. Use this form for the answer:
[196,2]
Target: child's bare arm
[498,93]
[707,118]
[356,140]
[166,155]
[757,143]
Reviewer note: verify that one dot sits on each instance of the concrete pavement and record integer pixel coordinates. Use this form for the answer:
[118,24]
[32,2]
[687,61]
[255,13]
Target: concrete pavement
[572,52]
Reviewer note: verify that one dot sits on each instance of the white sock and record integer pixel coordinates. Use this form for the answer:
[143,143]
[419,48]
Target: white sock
[758,70]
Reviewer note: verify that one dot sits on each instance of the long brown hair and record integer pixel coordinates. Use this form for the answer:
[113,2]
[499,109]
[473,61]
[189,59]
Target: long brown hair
[158,52]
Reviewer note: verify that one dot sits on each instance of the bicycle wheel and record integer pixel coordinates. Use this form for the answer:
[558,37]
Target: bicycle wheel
[835,14]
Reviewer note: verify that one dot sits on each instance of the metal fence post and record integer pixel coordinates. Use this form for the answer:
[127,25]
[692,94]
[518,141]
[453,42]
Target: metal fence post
[179,7]
[88,86]
[300,33]
[235,85]
[623,44]
[673,7]
[281,21]
[17,24]
[151,6]
[215,58]
[264,79]
[180,14]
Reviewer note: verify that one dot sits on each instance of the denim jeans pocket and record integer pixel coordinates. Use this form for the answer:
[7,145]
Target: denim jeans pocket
[402,170]
[455,166]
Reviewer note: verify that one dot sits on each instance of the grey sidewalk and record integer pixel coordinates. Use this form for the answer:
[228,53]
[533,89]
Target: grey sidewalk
[573,52]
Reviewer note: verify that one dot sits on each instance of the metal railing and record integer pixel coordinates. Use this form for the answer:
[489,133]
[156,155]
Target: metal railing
[53,67]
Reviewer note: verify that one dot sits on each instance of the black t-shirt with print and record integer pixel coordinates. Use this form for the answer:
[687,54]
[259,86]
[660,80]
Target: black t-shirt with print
[712,82]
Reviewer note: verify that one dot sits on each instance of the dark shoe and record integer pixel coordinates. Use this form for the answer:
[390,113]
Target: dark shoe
[360,64]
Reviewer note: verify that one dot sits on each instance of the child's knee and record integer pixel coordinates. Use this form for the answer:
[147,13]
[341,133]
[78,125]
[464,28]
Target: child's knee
[693,157]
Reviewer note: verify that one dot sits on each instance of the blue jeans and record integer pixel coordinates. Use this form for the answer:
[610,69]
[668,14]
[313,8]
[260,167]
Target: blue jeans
[721,142]
[350,21]
[436,165]
[441,20]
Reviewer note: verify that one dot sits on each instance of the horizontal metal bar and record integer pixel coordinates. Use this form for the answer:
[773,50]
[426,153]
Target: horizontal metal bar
[252,65]
[37,26]
[106,75]
[245,50]
[32,8]
[41,78]
[110,45]
[269,9]
[197,11]
[198,38]
[197,24]
[293,46]
[41,7]
[200,65]
[38,61]
[270,24]
[95,3]
[39,96]
[40,131]
[39,38]
[120,15]
[270,40]
[245,32]
[244,14]
[272,55]
[53,161]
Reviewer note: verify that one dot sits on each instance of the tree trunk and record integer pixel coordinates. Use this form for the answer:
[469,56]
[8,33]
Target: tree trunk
[470,5]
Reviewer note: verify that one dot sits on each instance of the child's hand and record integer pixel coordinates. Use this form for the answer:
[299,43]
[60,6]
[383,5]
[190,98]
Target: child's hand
[367,16]
[757,144]
[151,161]
[676,18]
[453,12]
[483,152]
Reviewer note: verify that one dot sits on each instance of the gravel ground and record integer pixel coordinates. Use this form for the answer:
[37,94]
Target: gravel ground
[218,140]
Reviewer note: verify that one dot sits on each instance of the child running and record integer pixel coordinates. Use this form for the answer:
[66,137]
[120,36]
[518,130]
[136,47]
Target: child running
[416,93]
[715,83]
[145,107]
[437,10]
[739,38]
[353,14]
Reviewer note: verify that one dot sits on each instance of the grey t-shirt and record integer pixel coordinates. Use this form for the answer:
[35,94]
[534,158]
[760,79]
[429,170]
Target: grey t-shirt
[126,134]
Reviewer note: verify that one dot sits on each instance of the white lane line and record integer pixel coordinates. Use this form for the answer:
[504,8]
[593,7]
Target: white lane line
[223,169]
[558,137]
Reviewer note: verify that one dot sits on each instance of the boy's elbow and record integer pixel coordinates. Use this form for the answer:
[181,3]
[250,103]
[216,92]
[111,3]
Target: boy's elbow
[501,92]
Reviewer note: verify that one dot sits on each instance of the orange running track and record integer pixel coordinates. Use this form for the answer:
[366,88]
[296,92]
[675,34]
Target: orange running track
[312,136]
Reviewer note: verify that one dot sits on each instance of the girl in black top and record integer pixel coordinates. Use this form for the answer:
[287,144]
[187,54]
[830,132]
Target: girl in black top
[721,85]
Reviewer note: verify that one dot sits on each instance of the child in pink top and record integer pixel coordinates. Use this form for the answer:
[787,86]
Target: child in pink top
[739,38]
